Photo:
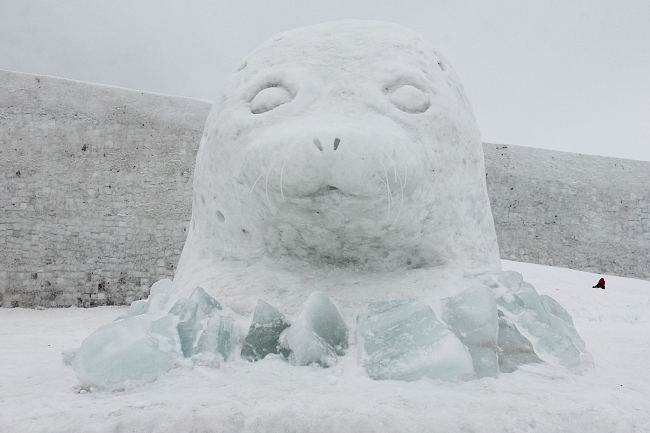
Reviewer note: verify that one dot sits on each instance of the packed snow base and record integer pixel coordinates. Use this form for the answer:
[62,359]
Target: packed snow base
[486,330]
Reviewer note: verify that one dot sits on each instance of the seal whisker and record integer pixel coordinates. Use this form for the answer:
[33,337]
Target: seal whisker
[390,194]
[281,171]
[255,183]
[388,189]
[266,185]
[401,200]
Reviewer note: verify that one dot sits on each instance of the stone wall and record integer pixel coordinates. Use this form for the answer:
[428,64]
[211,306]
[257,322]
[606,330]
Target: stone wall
[95,191]
[583,212]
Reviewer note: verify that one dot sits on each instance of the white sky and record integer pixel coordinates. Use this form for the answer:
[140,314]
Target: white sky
[557,74]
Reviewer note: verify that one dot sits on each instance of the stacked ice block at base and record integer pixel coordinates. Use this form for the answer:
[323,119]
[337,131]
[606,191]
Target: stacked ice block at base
[488,329]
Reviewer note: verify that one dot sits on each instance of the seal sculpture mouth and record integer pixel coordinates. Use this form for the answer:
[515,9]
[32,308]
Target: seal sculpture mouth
[327,191]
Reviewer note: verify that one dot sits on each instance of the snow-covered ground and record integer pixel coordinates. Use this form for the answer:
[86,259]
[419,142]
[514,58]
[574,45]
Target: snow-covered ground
[39,393]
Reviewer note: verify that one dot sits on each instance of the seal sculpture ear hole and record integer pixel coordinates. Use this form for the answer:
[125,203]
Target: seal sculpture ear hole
[270,97]
[220,217]
[441,66]
[336,143]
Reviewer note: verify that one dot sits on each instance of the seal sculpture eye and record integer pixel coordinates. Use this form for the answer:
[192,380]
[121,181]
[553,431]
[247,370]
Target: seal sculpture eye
[269,98]
[410,99]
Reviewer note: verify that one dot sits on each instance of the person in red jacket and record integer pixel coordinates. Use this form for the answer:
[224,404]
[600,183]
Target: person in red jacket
[601,284]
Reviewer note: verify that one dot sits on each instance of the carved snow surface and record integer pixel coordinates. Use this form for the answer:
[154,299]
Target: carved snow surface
[134,349]
[405,341]
[264,333]
[318,335]
[472,316]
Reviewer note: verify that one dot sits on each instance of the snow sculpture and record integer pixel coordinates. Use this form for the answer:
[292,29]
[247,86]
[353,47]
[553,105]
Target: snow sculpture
[340,175]
[347,145]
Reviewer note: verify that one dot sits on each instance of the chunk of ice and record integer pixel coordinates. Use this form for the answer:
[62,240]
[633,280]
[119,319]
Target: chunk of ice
[553,307]
[193,318]
[159,296]
[513,348]
[319,333]
[405,341]
[135,309]
[553,339]
[264,333]
[216,337]
[507,279]
[154,304]
[132,349]
[472,317]
[532,300]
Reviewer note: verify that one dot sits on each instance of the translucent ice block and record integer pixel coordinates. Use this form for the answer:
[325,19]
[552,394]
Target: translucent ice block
[318,335]
[154,304]
[217,337]
[193,319]
[264,334]
[132,349]
[405,341]
[513,348]
[553,307]
[472,317]
[553,339]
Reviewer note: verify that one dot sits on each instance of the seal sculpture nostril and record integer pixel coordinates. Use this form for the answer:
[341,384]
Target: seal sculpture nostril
[318,145]
[336,143]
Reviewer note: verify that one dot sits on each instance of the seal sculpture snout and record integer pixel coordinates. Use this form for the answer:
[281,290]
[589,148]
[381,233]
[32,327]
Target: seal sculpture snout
[364,160]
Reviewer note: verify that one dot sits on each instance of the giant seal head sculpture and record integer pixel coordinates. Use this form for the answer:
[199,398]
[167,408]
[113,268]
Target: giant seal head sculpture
[348,145]
[339,180]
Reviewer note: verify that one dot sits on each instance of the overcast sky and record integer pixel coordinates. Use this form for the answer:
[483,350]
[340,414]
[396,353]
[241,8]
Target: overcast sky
[571,75]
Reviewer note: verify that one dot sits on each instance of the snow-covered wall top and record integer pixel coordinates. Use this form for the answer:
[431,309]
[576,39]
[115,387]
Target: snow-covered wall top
[96,187]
